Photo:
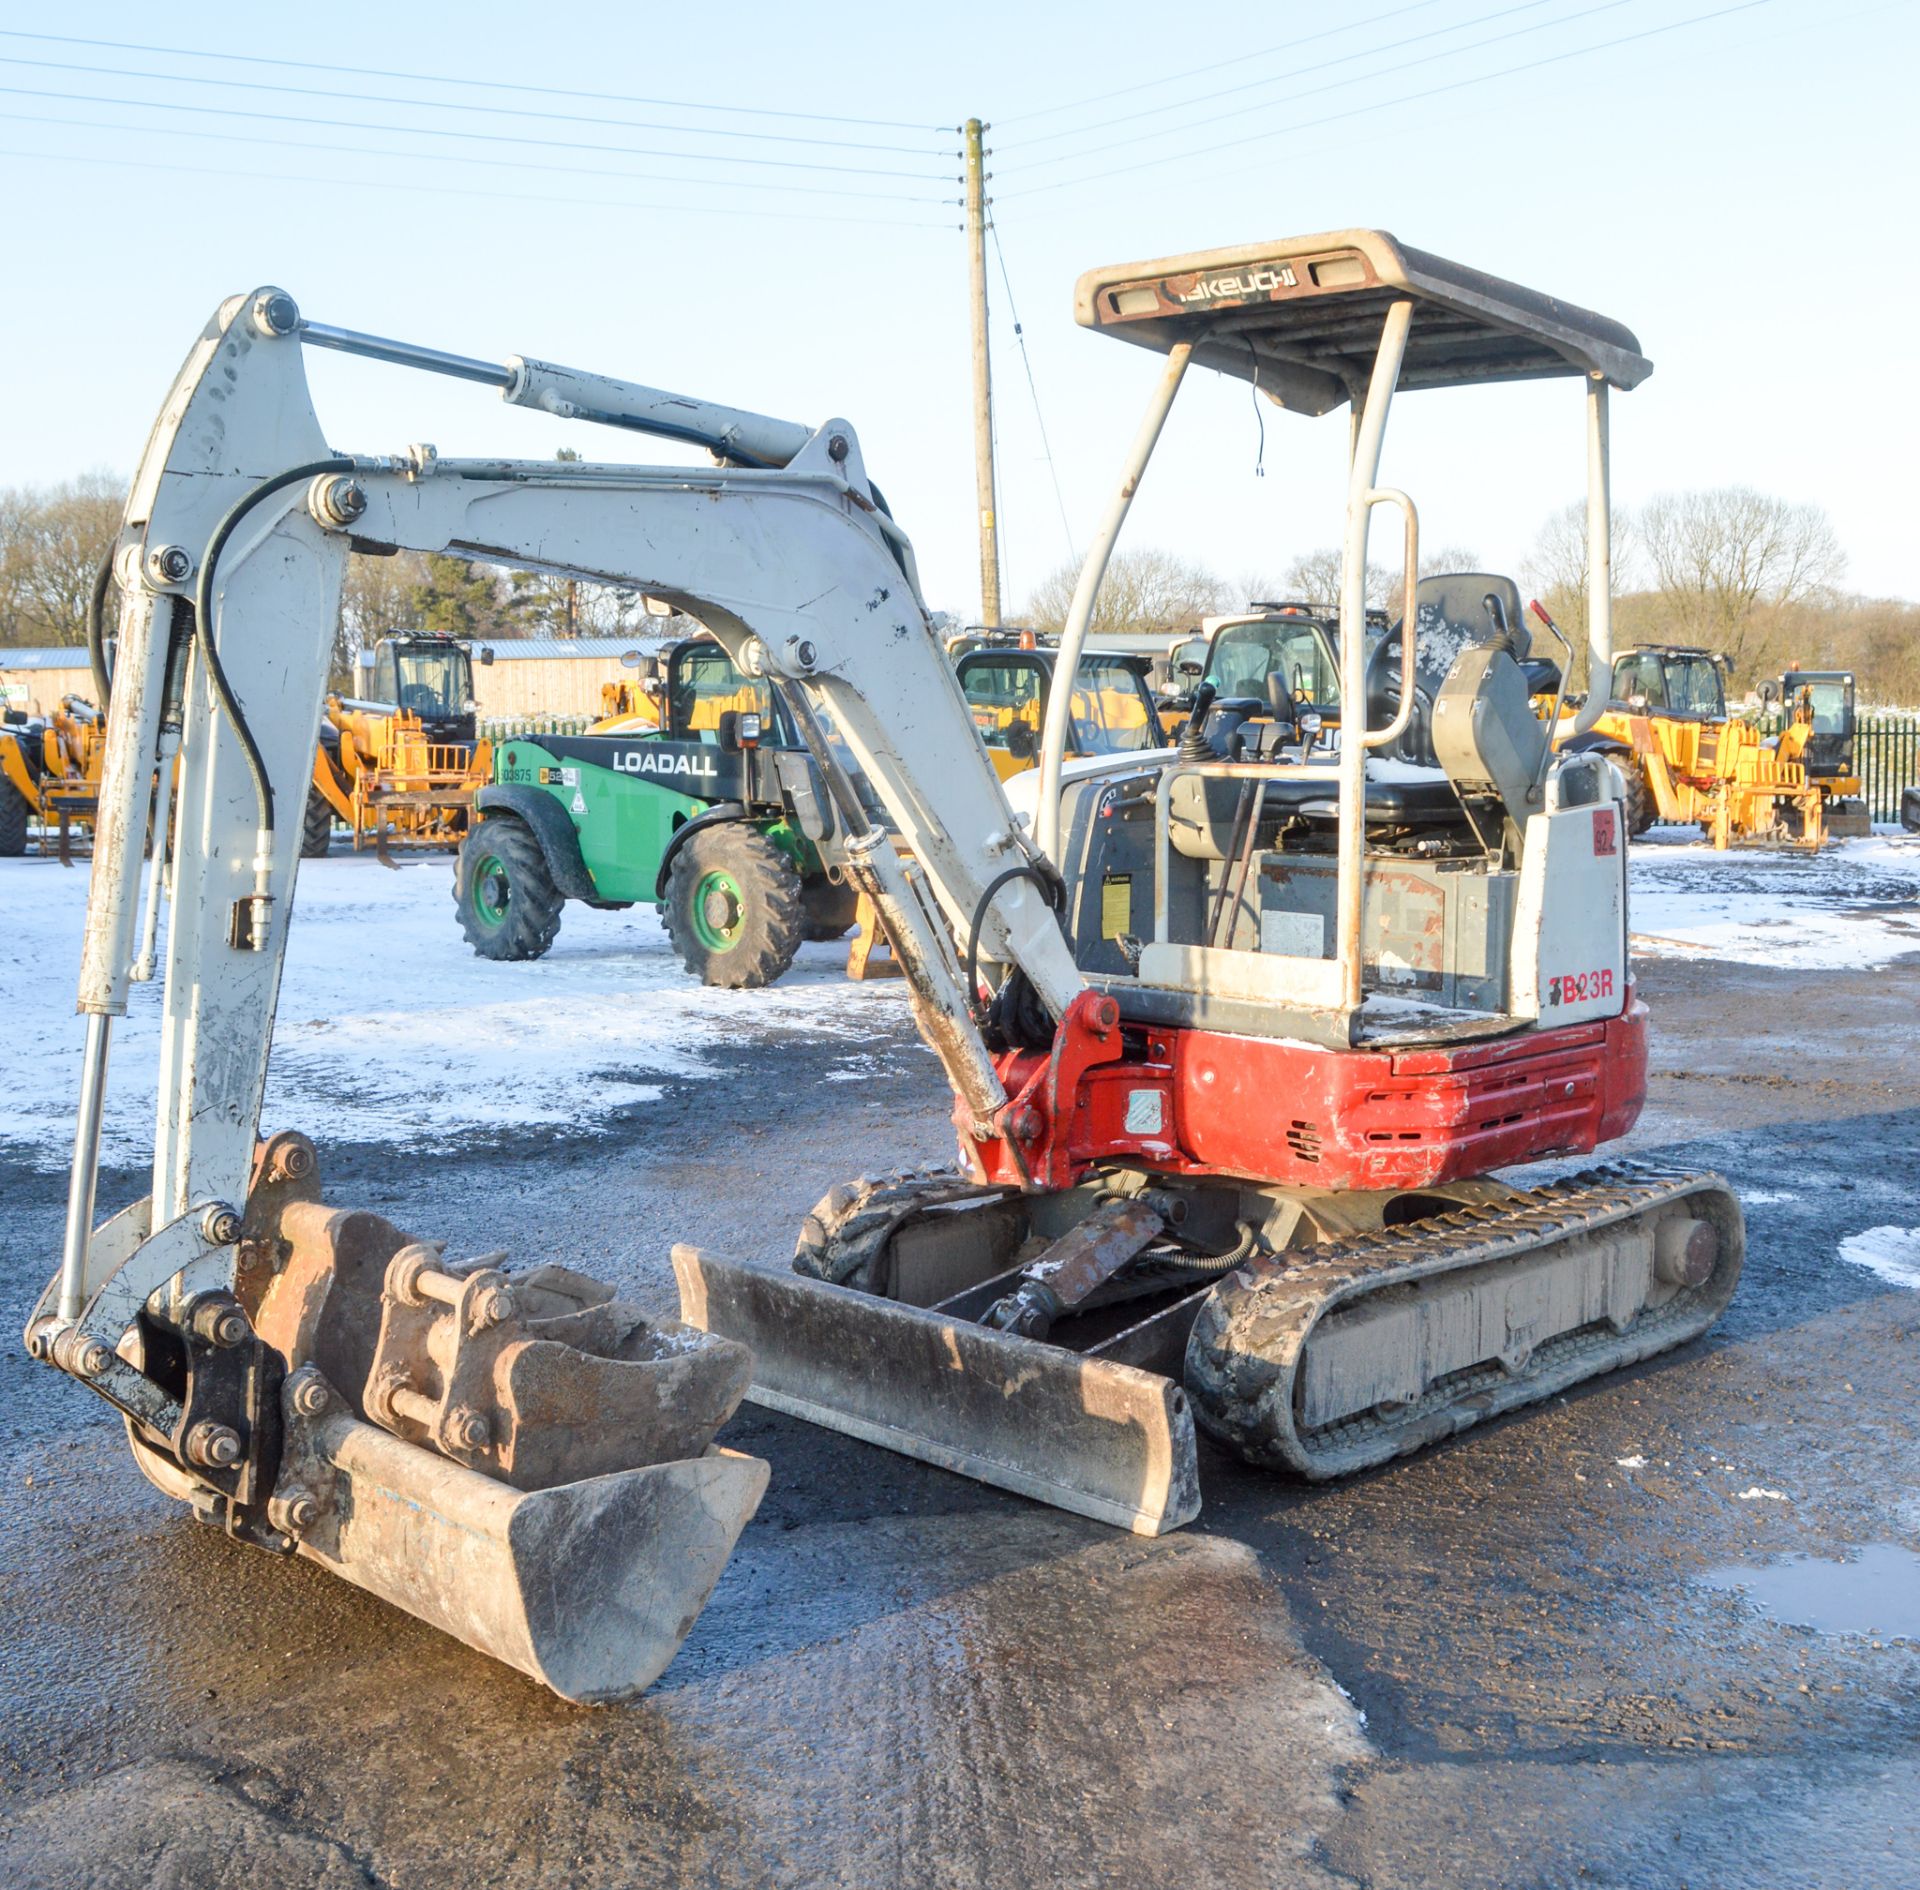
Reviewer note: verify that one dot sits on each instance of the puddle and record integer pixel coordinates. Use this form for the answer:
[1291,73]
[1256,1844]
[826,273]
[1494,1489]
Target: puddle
[1878,1592]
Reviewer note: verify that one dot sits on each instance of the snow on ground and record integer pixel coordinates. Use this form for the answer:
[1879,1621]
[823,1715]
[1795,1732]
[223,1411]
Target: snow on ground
[1891,1252]
[390,1029]
[1853,905]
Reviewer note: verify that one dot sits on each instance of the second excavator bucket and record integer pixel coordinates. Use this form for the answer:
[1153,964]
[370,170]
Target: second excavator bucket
[525,1462]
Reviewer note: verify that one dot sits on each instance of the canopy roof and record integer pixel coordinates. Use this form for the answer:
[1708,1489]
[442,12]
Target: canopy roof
[1301,317]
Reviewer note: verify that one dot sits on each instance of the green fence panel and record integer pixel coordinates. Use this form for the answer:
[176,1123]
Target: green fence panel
[1887,754]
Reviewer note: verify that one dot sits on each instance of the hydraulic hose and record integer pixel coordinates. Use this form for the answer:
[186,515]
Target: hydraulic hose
[1049,890]
[97,631]
[203,628]
[1241,1251]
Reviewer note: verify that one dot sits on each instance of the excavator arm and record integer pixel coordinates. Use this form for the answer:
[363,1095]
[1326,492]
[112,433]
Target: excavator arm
[796,568]
[279,1364]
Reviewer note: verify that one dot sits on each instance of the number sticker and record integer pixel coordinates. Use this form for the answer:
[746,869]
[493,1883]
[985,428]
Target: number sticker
[1582,987]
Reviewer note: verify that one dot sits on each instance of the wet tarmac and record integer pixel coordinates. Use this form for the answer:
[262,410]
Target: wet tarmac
[1520,1659]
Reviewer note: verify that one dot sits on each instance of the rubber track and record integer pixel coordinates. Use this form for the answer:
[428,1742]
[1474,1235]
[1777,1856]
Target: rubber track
[1252,1331]
[851,1225]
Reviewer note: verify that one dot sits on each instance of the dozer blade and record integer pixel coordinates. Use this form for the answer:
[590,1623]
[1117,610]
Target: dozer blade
[1089,1435]
[1331,1360]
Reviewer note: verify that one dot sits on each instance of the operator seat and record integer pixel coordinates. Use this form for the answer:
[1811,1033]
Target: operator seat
[1453,616]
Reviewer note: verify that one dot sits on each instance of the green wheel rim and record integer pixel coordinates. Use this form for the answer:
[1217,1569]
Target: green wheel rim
[492,890]
[719,911]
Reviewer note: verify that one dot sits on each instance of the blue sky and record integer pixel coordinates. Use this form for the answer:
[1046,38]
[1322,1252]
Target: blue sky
[1735,182]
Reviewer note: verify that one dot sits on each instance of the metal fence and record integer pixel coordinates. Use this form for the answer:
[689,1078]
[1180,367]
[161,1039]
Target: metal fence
[530,727]
[1887,754]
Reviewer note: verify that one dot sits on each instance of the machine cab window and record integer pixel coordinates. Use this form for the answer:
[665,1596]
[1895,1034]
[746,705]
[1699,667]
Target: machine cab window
[1110,714]
[1639,682]
[432,681]
[704,686]
[1296,652]
[1693,687]
[1831,702]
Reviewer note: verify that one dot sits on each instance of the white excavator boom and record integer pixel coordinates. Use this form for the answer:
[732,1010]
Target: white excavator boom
[270,1356]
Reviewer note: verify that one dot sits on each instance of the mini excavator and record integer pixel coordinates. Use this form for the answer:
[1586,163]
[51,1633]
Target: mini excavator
[1236,1046]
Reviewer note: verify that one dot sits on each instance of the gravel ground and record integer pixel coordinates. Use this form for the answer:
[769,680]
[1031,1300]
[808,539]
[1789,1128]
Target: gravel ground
[1566,1649]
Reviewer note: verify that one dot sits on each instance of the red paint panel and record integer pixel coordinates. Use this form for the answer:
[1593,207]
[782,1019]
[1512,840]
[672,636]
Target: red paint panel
[1268,1110]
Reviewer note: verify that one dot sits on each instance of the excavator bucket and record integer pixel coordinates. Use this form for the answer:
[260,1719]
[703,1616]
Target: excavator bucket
[523,1461]
[589,1587]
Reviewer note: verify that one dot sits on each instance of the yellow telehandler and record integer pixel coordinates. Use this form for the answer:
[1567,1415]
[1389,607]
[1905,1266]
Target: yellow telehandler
[400,769]
[49,775]
[1666,727]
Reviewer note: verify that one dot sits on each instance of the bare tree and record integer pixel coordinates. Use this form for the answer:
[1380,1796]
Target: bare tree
[377,601]
[549,606]
[1144,591]
[1445,559]
[52,539]
[1314,578]
[1555,570]
[1717,557]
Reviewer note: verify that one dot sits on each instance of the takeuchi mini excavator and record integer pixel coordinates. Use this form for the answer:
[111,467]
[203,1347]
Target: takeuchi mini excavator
[1235,1046]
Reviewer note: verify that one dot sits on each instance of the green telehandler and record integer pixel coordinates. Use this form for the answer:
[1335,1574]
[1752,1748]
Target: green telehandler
[716,815]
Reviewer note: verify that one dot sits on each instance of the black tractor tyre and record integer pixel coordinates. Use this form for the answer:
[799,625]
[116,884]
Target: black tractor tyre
[509,906]
[316,826]
[735,911]
[831,909]
[1642,809]
[13,821]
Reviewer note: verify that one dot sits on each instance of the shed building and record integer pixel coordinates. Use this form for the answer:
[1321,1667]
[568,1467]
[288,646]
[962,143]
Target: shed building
[552,675]
[35,680]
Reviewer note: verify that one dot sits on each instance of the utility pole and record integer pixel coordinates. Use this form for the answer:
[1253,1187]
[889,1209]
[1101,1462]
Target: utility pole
[982,377]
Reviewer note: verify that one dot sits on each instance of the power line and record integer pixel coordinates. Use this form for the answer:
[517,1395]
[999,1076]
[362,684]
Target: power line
[488,85]
[450,190]
[1194,72]
[1301,72]
[1381,72]
[1380,105]
[471,137]
[463,157]
[1040,419]
[453,105]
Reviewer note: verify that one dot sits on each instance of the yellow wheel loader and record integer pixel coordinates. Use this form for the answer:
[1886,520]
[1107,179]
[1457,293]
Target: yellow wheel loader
[49,776]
